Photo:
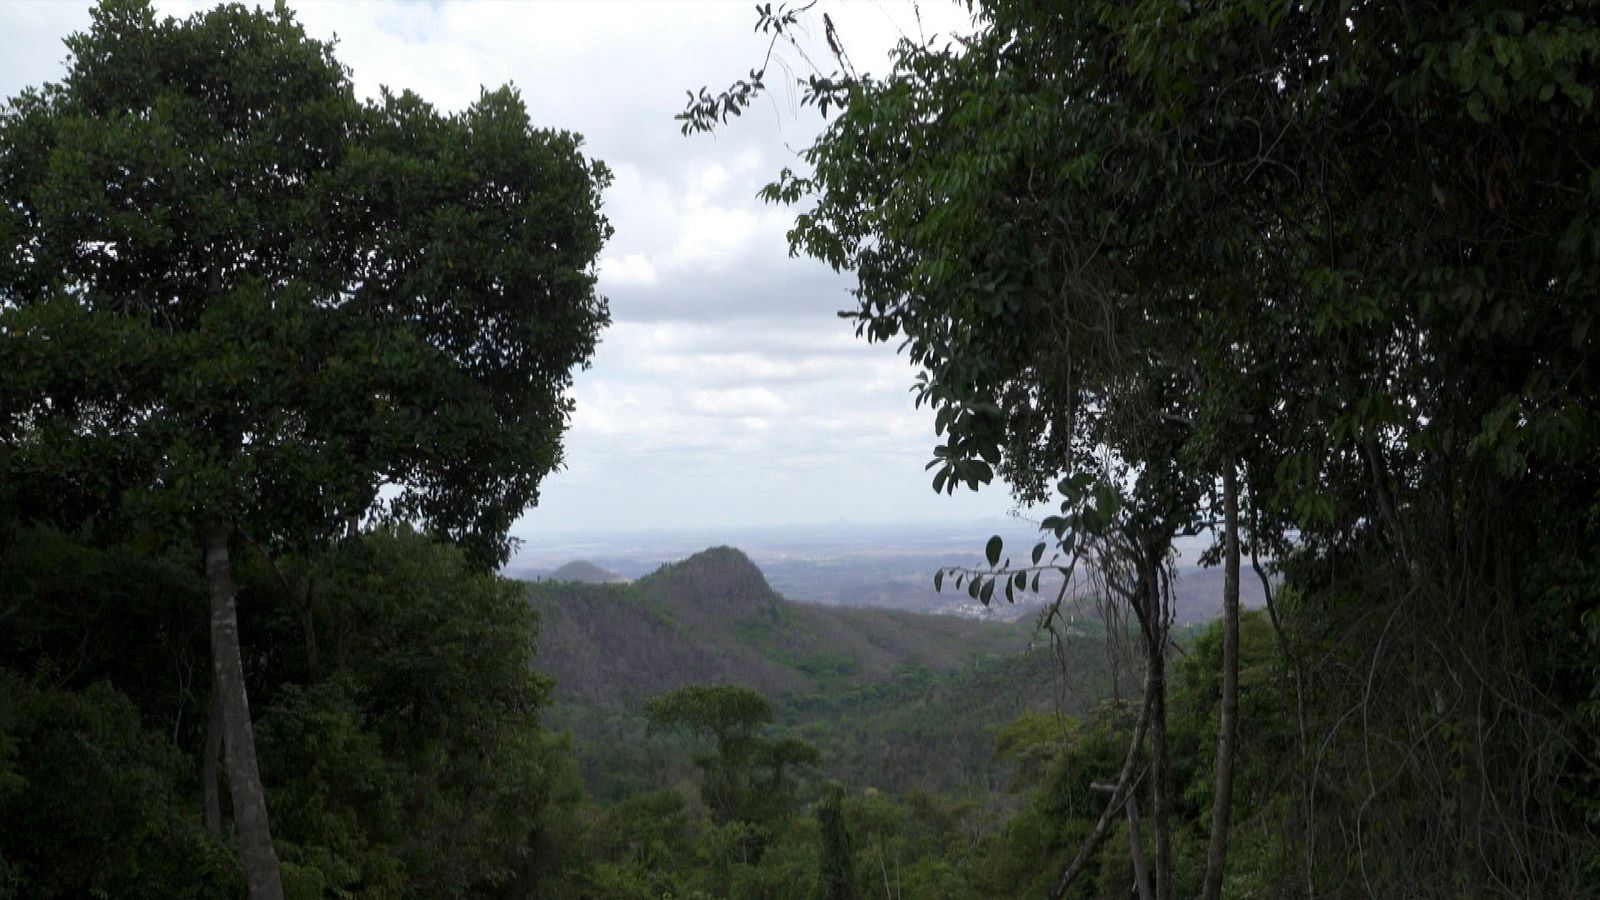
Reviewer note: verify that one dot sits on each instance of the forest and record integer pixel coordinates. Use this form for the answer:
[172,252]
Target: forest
[281,365]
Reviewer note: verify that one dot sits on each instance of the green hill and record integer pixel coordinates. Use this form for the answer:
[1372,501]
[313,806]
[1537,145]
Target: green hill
[586,572]
[894,699]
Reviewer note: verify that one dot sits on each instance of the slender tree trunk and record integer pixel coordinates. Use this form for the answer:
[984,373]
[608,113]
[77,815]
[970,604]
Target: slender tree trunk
[1121,793]
[1228,730]
[256,855]
[1160,773]
[308,627]
[1141,877]
[1297,671]
[1160,761]
[209,764]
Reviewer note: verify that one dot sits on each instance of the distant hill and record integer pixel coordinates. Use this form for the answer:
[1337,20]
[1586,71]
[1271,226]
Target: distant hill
[886,566]
[903,698]
[713,618]
[585,572]
[581,571]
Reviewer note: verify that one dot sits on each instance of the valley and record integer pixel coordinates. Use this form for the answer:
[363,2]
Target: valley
[894,699]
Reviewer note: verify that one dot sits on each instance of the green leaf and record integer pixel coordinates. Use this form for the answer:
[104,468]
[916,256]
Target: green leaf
[992,549]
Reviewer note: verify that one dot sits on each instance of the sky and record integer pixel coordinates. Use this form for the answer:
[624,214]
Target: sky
[726,393]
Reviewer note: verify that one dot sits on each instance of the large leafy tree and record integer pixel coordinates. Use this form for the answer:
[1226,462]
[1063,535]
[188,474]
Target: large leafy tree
[237,300]
[1015,227]
[1347,251]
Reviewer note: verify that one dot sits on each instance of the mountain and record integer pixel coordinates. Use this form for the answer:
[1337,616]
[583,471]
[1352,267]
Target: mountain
[713,618]
[581,571]
[894,698]
[584,572]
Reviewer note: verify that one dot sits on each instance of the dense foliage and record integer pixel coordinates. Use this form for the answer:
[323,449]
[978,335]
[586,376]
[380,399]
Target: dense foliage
[893,700]
[410,761]
[1330,266]
[232,289]
[240,305]
[403,754]
[1317,278]
[853,841]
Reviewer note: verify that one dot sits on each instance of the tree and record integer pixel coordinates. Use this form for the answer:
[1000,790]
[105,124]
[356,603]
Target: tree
[749,778]
[414,761]
[1228,728]
[837,859]
[1008,228]
[92,803]
[418,759]
[237,300]
[1349,252]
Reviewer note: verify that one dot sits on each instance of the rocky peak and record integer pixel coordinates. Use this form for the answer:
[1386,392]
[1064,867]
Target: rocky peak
[721,578]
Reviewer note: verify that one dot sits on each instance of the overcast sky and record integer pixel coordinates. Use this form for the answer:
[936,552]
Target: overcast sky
[727,393]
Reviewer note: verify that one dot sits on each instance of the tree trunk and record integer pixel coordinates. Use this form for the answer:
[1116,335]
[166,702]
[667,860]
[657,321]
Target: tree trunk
[1121,792]
[308,627]
[1297,672]
[1228,729]
[1160,771]
[256,855]
[1153,624]
[1141,877]
[209,764]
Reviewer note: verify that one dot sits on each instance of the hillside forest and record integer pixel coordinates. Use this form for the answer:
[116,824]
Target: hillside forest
[1310,282]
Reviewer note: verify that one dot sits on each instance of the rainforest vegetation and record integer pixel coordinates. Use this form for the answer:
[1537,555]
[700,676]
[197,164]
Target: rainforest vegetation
[280,367]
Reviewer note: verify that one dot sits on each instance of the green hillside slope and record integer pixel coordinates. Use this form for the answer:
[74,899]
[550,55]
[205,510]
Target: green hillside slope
[894,699]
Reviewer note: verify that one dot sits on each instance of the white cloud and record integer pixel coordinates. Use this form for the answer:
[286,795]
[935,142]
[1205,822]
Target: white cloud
[711,237]
[633,270]
[707,181]
[739,402]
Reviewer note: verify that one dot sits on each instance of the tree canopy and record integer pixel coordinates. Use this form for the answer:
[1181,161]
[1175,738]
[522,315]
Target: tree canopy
[1348,251]
[233,289]
[238,301]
